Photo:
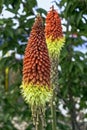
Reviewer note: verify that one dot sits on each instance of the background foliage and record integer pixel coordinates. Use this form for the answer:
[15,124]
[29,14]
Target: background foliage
[72,93]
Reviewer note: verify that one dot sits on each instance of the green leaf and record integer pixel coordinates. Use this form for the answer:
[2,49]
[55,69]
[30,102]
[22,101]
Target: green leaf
[1,22]
[29,4]
[40,10]
[80,66]
[79,17]
[69,4]
[1,4]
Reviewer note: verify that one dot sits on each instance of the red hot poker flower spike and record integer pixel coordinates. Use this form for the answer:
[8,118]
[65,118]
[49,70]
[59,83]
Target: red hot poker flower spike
[36,67]
[53,32]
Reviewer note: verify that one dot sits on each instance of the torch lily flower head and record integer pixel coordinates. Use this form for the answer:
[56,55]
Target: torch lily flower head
[53,32]
[35,86]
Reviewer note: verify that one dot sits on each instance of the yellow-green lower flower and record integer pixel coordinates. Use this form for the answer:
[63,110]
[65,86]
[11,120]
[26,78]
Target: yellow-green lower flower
[36,95]
[55,46]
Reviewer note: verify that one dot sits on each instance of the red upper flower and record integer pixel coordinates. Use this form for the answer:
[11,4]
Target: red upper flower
[36,64]
[53,25]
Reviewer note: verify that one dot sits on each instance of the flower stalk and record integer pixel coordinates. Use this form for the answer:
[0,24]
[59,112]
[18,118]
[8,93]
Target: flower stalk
[54,81]
[55,41]
[36,88]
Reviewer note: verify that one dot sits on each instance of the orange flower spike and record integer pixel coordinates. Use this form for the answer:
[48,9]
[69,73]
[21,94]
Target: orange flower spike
[36,68]
[53,32]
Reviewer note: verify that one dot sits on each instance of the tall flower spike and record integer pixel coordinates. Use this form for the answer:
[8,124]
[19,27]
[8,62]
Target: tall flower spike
[53,32]
[55,41]
[35,86]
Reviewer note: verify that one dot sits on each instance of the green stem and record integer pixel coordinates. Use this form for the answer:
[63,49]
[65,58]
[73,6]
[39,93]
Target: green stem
[54,81]
[39,125]
[38,118]
[53,112]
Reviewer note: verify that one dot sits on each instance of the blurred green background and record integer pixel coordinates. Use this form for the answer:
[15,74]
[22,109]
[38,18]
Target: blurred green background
[71,102]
